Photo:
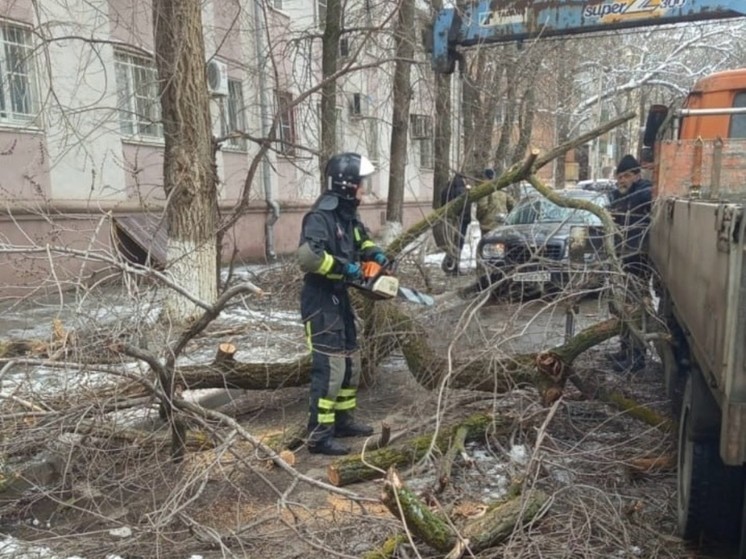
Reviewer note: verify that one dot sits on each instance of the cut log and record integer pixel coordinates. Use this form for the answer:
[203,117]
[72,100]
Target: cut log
[488,530]
[353,469]
[225,354]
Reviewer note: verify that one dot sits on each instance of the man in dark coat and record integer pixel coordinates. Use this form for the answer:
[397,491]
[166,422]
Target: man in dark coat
[630,208]
[457,187]
[333,242]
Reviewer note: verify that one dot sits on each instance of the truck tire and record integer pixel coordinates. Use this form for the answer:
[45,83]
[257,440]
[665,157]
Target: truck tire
[707,509]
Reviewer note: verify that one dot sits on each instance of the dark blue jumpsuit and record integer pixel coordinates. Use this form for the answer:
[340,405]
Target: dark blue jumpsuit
[333,234]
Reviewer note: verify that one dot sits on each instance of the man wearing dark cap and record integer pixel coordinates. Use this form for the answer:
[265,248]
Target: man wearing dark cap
[630,208]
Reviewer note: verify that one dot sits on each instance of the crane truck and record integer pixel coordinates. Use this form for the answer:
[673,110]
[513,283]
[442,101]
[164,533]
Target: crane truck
[697,237]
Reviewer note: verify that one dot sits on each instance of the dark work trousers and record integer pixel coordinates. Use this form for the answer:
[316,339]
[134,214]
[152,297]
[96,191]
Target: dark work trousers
[335,370]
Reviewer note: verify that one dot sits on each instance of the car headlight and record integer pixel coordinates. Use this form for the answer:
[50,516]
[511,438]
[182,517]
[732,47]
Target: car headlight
[577,244]
[493,250]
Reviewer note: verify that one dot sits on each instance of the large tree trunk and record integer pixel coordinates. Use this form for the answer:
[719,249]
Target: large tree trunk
[400,123]
[329,56]
[188,174]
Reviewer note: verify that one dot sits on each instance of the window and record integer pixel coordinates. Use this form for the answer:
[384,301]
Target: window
[344,47]
[137,88]
[286,124]
[421,126]
[358,105]
[426,153]
[277,4]
[421,131]
[18,101]
[738,122]
[321,13]
[234,118]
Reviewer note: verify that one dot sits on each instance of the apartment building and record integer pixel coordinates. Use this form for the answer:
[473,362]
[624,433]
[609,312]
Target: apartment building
[81,144]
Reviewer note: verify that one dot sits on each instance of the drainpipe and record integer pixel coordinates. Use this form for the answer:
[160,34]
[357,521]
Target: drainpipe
[273,208]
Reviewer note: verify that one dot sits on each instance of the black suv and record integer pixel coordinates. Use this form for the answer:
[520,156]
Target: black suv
[531,251]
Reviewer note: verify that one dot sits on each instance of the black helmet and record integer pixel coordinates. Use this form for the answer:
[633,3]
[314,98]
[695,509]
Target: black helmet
[345,172]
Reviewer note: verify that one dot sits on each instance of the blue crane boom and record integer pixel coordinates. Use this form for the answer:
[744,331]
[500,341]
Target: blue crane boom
[495,21]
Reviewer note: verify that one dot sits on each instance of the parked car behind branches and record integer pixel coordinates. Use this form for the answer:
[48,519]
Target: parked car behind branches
[532,250]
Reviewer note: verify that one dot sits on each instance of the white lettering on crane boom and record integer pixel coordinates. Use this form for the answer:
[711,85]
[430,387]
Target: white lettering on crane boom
[632,8]
[508,16]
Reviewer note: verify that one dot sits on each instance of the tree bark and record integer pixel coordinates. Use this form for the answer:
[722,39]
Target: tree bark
[329,59]
[189,178]
[356,468]
[400,119]
[497,524]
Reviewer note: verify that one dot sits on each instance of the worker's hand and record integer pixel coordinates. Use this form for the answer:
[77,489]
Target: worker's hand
[352,271]
[379,257]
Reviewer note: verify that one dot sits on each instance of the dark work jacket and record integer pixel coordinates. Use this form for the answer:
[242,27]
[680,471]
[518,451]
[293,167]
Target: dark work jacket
[456,188]
[336,230]
[631,213]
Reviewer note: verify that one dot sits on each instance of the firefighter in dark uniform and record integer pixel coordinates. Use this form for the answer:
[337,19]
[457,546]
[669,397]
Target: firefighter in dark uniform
[333,242]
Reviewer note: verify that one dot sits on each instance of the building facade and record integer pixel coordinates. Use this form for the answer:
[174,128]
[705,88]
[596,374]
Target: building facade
[81,143]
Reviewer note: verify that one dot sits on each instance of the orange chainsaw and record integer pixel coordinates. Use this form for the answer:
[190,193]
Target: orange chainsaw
[379,283]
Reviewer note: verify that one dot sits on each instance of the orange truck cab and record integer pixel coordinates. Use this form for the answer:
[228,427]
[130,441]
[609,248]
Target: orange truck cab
[700,149]
[717,91]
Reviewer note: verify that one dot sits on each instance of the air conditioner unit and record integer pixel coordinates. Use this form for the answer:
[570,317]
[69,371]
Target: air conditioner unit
[358,105]
[217,78]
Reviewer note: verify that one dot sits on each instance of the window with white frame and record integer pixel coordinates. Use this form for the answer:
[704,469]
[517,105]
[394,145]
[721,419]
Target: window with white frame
[286,125]
[137,90]
[426,153]
[320,13]
[234,119]
[421,132]
[18,98]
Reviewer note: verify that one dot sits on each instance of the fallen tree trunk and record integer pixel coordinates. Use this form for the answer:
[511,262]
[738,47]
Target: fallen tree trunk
[496,525]
[372,465]
[546,370]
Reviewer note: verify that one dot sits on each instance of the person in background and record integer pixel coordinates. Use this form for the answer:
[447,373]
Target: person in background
[333,243]
[457,187]
[630,208]
[492,209]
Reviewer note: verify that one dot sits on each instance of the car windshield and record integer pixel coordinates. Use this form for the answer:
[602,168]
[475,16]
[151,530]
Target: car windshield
[541,210]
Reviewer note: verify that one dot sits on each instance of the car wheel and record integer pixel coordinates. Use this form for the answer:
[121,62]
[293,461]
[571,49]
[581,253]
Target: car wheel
[449,264]
[706,505]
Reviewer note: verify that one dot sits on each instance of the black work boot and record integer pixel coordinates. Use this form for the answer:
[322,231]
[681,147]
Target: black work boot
[320,441]
[346,426]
